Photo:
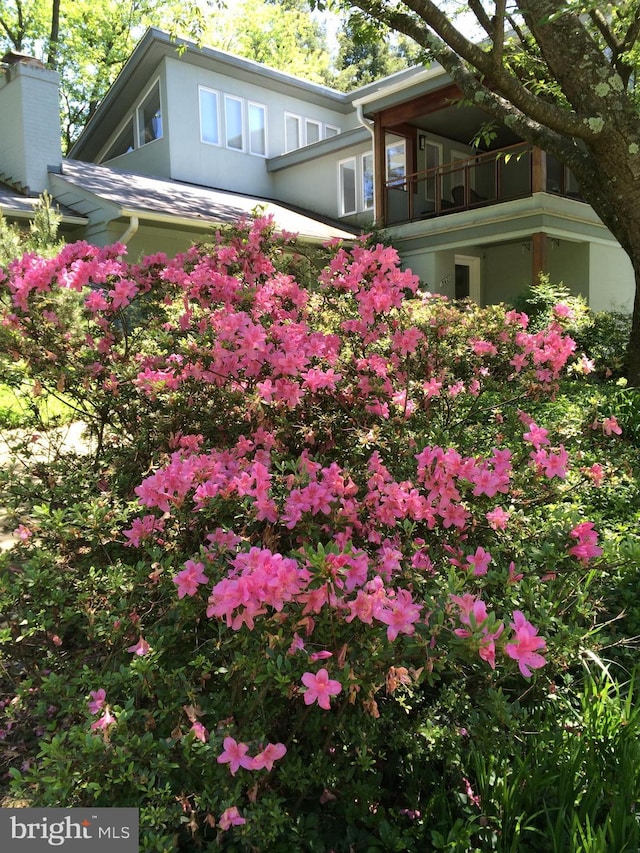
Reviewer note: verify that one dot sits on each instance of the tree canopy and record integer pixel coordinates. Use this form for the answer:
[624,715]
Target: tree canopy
[564,76]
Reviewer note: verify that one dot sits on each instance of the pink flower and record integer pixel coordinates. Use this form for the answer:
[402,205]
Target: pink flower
[479,561]
[141,648]
[611,425]
[554,464]
[513,577]
[399,614]
[323,655]
[199,732]
[587,542]
[536,435]
[235,755]
[97,700]
[524,645]
[297,644]
[105,720]
[319,688]
[272,752]
[22,532]
[498,518]
[190,578]
[231,817]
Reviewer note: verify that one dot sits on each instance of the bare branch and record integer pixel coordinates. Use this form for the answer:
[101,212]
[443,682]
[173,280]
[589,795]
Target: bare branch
[632,34]
[603,28]
[481,16]
[497,50]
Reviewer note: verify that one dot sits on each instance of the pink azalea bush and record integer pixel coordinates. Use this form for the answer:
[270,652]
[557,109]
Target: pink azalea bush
[321,472]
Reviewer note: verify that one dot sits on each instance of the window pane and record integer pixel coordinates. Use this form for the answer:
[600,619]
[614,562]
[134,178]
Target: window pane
[257,130]
[233,117]
[330,131]
[313,131]
[396,164]
[209,129]
[150,117]
[292,132]
[367,181]
[123,143]
[348,186]
[432,161]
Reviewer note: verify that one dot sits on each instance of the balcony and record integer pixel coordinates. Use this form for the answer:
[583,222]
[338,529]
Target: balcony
[516,171]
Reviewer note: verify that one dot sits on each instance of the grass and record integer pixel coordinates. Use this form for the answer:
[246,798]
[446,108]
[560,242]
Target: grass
[20,409]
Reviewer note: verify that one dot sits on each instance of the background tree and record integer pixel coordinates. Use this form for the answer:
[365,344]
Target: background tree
[280,33]
[561,75]
[88,42]
[366,54]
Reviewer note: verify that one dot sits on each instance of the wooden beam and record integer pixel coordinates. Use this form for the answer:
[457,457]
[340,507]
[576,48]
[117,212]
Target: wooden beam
[424,104]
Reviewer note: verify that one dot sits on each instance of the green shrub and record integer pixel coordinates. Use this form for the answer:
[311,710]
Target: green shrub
[369,535]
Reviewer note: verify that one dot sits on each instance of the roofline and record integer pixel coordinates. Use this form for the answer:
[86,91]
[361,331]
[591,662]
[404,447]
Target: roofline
[385,89]
[7,211]
[207,224]
[168,46]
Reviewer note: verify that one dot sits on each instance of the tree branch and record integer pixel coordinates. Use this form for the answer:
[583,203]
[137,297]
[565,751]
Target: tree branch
[434,31]
[481,16]
[497,50]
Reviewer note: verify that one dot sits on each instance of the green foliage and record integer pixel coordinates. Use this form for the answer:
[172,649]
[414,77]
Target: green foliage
[41,236]
[603,336]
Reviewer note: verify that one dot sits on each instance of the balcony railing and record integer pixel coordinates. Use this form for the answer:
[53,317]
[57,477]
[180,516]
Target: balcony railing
[485,179]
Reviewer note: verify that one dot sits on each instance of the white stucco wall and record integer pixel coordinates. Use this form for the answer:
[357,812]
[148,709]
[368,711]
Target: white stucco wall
[216,165]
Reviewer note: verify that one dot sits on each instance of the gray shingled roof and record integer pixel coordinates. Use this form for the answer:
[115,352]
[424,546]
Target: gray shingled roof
[14,205]
[167,200]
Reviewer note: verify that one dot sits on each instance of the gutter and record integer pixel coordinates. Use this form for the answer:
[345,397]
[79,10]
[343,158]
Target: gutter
[9,212]
[134,224]
[209,225]
[385,91]
[368,125]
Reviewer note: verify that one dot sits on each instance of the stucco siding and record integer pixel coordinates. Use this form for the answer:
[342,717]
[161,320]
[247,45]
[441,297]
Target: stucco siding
[314,185]
[217,165]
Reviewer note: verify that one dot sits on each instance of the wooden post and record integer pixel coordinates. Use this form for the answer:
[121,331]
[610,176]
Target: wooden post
[538,255]
[538,170]
[379,171]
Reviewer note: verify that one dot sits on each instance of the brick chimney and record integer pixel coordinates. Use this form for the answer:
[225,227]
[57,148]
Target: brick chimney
[29,122]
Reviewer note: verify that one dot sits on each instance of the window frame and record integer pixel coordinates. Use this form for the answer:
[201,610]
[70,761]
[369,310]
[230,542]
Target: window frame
[363,196]
[138,138]
[229,99]
[399,182]
[315,123]
[263,109]
[128,125]
[298,120]
[341,187]
[216,94]
[333,128]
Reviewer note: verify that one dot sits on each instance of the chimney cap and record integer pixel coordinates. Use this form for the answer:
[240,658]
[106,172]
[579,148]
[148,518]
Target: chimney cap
[13,57]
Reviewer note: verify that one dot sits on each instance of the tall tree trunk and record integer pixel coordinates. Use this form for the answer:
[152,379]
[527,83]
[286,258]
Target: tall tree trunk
[633,350]
[52,57]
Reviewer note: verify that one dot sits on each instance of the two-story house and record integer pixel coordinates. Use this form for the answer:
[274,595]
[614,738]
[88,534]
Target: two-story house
[186,139]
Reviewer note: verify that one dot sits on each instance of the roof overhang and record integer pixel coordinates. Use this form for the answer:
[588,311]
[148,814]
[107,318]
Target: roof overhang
[105,195]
